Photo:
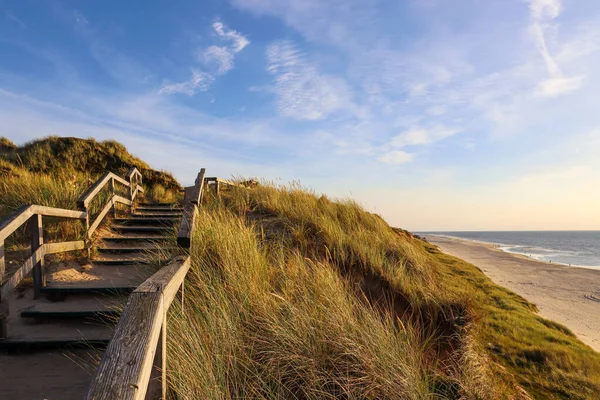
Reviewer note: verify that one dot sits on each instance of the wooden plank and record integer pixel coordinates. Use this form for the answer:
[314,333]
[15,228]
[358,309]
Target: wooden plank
[37,242]
[21,273]
[52,248]
[58,212]
[93,190]
[186,228]
[226,182]
[126,365]
[2,261]
[122,200]
[100,217]
[15,220]
[196,195]
[119,179]
[167,280]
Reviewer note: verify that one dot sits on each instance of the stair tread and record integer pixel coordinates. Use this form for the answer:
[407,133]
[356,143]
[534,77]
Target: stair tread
[143,227]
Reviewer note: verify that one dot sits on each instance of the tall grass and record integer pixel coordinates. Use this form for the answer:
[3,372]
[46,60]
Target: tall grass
[297,296]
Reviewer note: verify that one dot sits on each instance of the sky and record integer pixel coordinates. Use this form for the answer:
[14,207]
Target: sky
[436,114]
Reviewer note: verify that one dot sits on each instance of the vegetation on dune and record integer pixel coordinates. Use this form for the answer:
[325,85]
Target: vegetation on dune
[85,156]
[293,295]
[55,171]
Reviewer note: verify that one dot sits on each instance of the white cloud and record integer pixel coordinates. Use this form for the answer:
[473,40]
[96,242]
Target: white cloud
[199,82]
[215,60]
[219,58]
[238,40]
[302,91]
[422,136]
[543,12]
[396,157]
[558,86]
[15,19]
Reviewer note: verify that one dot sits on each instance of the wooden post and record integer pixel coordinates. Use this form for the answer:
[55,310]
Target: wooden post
[217,190]
[4,311]
[111,189]
[163,356]
[2,261]
[37,240]
[3,302]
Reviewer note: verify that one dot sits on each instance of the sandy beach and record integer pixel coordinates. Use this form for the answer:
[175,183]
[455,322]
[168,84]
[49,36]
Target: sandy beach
[568,295]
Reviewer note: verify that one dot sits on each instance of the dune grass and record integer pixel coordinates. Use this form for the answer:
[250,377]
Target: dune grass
[293,295]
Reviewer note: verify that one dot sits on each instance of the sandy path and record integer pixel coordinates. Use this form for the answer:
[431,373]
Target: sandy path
[558,291]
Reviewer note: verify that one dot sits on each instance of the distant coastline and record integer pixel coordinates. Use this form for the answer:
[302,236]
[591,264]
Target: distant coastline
[579,249]
[567,295]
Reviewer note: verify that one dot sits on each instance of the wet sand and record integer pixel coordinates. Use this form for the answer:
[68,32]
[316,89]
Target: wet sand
[568,295]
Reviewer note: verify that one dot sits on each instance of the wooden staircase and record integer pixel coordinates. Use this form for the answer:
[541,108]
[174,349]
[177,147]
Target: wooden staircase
[81,303]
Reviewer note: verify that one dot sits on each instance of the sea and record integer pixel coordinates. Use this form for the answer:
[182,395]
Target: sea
[576,248]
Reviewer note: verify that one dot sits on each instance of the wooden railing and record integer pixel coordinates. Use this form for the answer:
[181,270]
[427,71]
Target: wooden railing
[34,213]
[138,349]
[134,179]
[35,262]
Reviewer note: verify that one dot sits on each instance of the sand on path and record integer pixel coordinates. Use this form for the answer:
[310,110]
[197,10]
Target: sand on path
[568,295]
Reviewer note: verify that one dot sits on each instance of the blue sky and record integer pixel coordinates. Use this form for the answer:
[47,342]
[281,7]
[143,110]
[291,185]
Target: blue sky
[436,114]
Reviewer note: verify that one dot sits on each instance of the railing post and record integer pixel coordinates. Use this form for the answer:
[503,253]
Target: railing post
[2,261]
[37,240]
[111,189]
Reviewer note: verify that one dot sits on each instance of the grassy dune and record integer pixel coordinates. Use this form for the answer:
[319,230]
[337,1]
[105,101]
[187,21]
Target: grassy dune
[297,296]
[55,172]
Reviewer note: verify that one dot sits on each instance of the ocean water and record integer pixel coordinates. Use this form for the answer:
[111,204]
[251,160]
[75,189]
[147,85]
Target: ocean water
[580,248]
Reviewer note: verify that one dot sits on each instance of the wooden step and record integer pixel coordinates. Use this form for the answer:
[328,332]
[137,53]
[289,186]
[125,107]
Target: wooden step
[71,289]
[127,249]
[120,261]
[135,239]
[161,209]
[168,205]
[142,228]
[157,215]
[26,344]
[147,220]
[42,314]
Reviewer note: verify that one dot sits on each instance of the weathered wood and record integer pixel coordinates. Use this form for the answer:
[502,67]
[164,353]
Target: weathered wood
[122,200]
[126,365]
[184,235]
[58,212]
[100,217]
[196,195]
[93,190]
[2,261]
[37,242]
[52,248]
[15,220]
[21,273]
[167,280]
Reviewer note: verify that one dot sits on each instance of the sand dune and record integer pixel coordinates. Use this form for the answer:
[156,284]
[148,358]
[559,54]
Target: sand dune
[568,295]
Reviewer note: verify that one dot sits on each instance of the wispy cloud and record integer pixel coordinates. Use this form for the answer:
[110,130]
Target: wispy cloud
[199,82]
[303,92]
[215,61]
[10,15]
[543,12]
[238,41]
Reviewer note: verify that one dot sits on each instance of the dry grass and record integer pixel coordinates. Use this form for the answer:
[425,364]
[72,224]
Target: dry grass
[297,296]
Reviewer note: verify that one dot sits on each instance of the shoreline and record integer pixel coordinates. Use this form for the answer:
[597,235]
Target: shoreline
[502,247]
[565,294]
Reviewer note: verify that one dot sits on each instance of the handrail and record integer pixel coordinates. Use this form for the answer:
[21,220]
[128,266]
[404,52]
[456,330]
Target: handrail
[192,197]
[128,362]
[32,213]
[134,352]
[108,178]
